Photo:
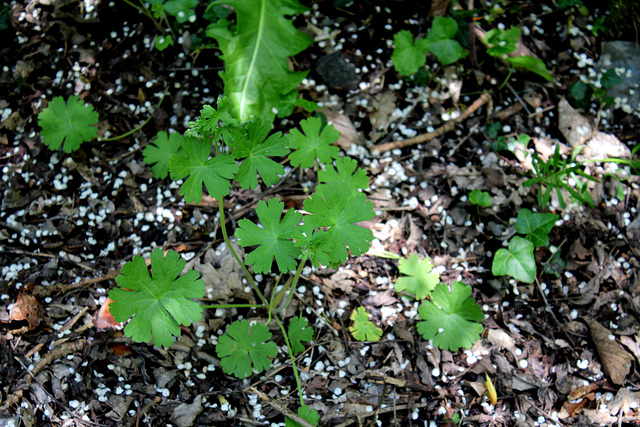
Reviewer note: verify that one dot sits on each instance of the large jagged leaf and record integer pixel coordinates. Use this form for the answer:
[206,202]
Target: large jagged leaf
[257,78]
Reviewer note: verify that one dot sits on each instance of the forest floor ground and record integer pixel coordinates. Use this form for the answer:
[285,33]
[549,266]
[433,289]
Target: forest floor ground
[561,351]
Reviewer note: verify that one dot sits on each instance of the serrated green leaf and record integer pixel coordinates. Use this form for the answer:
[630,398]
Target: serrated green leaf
[273,239]
[213,122]
[299,332]
[535,65]
[249,143]
[157,153]
[408,56]
[305,413]
[450,318]
[67,124]
[439,41]
[257,75]
[480,198]
[418,280]
[159,302]
[362,328]
[346,174]
[216,173]
[314,144]
[242,349]
[338,212]
[536,226]
[517,261]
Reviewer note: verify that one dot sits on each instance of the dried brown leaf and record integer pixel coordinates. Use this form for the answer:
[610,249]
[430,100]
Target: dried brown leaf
[615,360]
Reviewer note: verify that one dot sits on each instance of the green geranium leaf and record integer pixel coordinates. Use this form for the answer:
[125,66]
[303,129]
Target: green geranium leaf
[337,211]
[305,413]
[216,173]
[249,143]
[408,56]
[517,261]
[361,327]
[314,144]
[273,239]
[67,124]
[418,279]
[160,302]
[536,226]
[451,318]
[157,153]
[243,349]
[535,65]
[439,41]
[480,198]
[299,332]
[257,76]
[346,174]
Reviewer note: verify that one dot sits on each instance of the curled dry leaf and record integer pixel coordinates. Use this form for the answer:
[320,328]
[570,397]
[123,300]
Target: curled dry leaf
[26,308]
[103,318]
[616,362]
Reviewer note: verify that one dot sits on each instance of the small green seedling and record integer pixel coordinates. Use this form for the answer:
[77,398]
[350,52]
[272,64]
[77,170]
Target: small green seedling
[418,279]
[480,198]
[555,173]
[362,328]
[307,414]
[451,318]
[502,42]
[67,123]
[409,55]
[518,260]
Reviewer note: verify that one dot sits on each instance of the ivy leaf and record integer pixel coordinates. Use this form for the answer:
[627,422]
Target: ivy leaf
[299,333]
[159,302]
[535,65]
[480,198]
[273,240]
[257,76]
[347,175]
[216,173]
[249,144]
[450,318]
[157,153]
[163,42]
[408,56]
[502,42]
[536,226]
[439,41]
[67,124]
[418,280]
[306,413]
[243,348]
[183,10]
[313,144]
[517,261]
[331,207]
[362,328]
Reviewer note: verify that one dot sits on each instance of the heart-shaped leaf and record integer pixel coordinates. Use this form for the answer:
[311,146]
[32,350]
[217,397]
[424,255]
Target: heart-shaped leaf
[517,261]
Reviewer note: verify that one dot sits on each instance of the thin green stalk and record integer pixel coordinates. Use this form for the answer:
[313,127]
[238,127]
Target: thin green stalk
[115,138]
[292,288]
[147,13]
[293,360]
[225,236]
[233,306]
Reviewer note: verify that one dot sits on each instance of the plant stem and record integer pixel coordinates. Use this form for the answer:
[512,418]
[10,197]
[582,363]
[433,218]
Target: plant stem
[115,138]
[233,306]
[293,360]
[225,236]
[292,287]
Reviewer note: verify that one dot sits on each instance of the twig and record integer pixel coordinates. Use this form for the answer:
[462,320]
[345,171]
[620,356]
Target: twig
[447,127]
[280,408]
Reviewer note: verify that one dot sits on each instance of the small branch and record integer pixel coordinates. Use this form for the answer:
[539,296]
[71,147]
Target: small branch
[280,408]
[447,127]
